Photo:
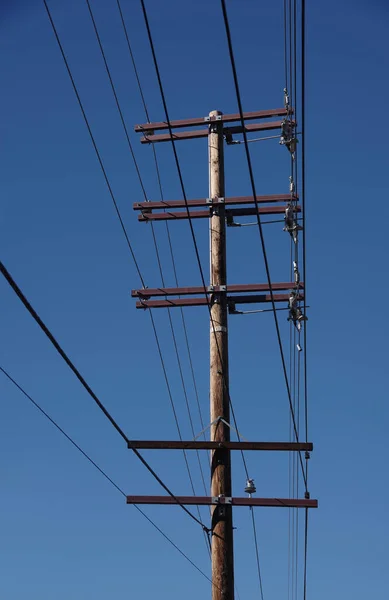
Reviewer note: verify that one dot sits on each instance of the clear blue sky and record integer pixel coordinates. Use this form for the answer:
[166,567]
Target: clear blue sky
[65,532]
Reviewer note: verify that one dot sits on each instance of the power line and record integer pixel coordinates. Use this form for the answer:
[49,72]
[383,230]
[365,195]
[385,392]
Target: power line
[305,554]
[107,477]
[155,245]
[94,143]
[263,223]
[303,203]
[290,25]
[188,212]
[100,160]
[116,98]
[86,386]
[162,199]
[133,60]
[285,46]
[257,552]
[176,418]
[251,174]
[177,162]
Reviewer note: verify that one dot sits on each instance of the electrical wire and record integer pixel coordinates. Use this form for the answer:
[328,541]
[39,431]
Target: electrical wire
[305,555]
[295,173]
[285,46]
[263,223]
[260,139]
[251,174]
[177,162]
[166,223]
[257,553]
[86,386]
[206,537]
[98,154]
[116,98]
[133,59]
[303,204]
[290,19]
[94,144]
[158,259]
[101,471]
[167,119]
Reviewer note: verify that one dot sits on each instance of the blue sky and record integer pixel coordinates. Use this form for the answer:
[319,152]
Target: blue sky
[66,533]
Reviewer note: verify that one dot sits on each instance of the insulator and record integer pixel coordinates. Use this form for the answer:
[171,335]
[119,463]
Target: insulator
[286,98]
[296,273]
[250,487]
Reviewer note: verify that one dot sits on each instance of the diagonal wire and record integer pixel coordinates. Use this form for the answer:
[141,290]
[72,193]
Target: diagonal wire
[116,98]
[285,45]
[107,477]
[91,134]
[262,239]
[94,144]
[303,53]
[86,386]
[162,199]
[303,203]
[225,384]
[305,555]
[207,541]
[158,260]
[257,552]
[179,368]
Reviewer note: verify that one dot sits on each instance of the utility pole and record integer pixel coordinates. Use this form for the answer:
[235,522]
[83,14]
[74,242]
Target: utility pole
[221,297]
[222,539]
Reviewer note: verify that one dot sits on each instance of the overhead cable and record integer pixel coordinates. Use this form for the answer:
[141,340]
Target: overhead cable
[155,245]
[86,386]
[162,199]
[262,239]
[94,145]
[101,471]
[178,167]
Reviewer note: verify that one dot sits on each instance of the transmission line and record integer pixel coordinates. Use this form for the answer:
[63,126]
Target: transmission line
[98,154]
[162,199]
[262,239]
[94,143]
[101,471]
[151,43]
[158,261]
[86,386]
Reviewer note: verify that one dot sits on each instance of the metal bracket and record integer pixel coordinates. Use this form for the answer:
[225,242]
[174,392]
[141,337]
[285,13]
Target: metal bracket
[219,328]
[221,500]
[215,200]
[221,290]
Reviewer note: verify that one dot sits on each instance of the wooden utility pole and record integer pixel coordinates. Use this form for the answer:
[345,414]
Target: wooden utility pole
[222,299]
[222,539]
